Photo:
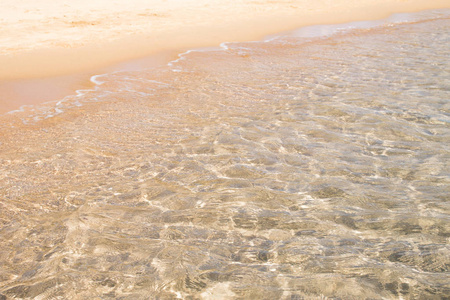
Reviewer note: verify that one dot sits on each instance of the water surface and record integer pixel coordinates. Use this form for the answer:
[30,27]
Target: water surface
[304,167]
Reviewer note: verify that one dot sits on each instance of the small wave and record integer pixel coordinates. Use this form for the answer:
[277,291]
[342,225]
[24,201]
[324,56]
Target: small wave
[123,78]
[94,79]
[324,31]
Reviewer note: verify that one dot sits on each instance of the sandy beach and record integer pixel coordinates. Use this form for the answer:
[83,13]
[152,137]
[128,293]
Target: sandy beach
[307,164]
[48,39]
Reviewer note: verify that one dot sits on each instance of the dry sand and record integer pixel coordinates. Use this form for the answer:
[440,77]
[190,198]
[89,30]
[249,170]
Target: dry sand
[54,38]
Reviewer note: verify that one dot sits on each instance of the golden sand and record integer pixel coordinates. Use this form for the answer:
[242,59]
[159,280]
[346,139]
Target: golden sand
[41,38]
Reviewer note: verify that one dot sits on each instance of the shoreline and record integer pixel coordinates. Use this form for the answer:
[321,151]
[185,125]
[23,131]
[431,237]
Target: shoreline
[45,75]
[17,93]
[95,55]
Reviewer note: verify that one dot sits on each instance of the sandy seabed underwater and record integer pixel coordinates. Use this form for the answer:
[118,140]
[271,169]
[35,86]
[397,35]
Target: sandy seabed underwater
[300,167]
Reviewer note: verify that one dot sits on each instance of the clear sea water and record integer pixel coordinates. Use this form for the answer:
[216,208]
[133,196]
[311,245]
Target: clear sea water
[312,165]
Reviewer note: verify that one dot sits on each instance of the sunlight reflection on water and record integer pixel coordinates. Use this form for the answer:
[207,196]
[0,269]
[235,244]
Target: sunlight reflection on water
[273,170]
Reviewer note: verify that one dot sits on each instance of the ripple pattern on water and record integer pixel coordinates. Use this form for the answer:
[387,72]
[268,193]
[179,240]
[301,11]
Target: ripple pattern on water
[278,170]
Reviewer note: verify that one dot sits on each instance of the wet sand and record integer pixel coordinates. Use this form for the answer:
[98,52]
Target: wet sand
[31,91]
[67,42]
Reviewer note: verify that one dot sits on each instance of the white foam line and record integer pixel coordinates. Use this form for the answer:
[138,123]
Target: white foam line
[80,93]
[329,30]
[97,82]
[224,45]
[180,57]
[21,109]
[306,32]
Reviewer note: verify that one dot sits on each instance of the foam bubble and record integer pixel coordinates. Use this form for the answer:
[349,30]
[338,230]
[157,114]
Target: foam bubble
[94,79]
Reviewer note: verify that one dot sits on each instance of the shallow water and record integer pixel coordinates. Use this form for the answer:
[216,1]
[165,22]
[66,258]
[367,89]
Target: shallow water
[297,168]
